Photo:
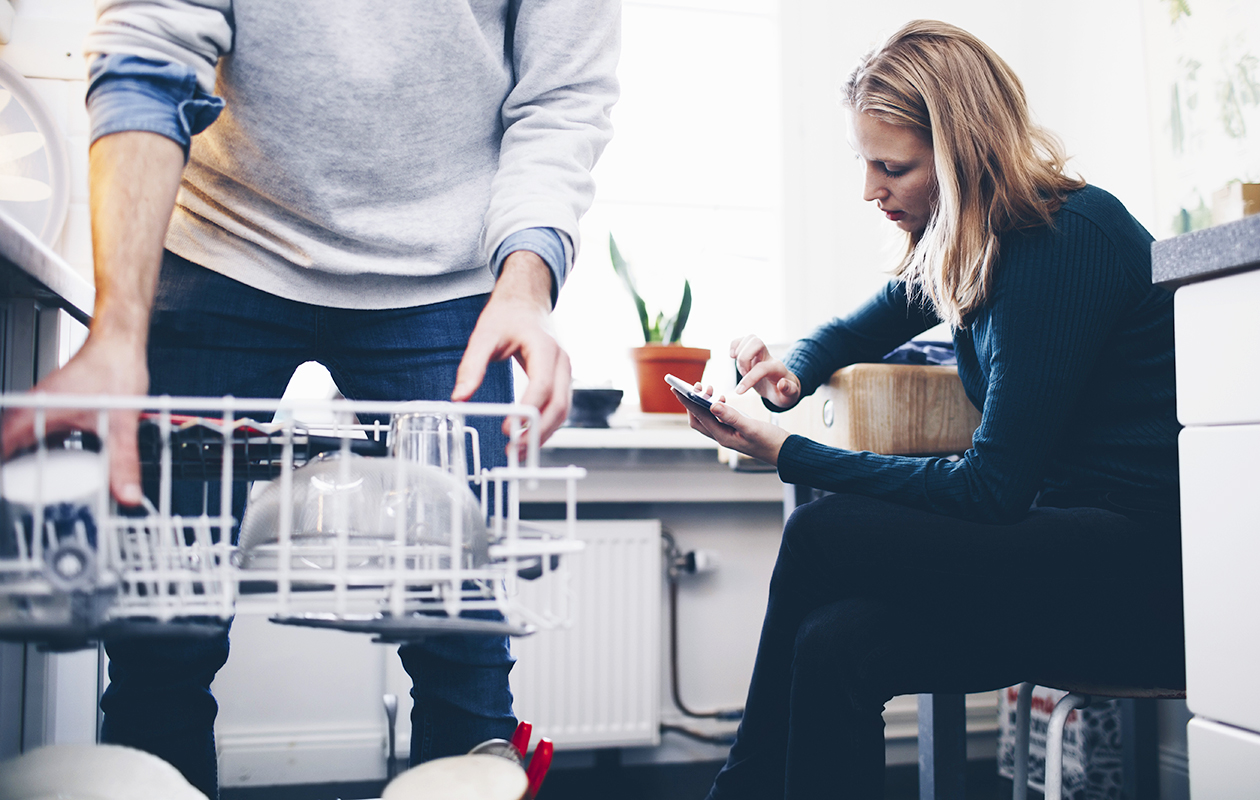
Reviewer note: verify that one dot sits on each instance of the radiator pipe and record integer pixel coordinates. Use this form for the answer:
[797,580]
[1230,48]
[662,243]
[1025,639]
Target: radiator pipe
[675,563]
[710,738]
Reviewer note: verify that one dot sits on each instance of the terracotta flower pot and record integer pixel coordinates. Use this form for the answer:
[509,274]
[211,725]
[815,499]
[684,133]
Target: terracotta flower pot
[653,361]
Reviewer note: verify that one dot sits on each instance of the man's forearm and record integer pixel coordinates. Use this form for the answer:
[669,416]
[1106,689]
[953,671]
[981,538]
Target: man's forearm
[134,177]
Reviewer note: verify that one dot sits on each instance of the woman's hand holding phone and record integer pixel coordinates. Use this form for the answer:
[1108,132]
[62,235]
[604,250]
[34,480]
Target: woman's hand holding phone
[694,395]
[726,426]
[761,371]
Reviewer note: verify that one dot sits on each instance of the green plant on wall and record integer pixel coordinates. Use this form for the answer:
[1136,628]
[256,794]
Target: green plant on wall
[1178,9]
[661,329]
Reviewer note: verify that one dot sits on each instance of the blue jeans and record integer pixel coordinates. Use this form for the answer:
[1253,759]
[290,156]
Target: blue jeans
[212,336]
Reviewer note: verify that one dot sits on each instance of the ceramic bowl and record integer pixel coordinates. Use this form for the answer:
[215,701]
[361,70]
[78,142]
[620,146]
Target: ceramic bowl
[592,407]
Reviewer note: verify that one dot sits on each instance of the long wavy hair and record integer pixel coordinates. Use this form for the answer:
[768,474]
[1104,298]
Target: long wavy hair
[996,170]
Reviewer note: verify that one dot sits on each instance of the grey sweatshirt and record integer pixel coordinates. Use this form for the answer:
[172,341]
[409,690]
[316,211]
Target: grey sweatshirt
[375,154]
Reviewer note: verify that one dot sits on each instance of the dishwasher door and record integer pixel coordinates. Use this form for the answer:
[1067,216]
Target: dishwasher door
[44,697]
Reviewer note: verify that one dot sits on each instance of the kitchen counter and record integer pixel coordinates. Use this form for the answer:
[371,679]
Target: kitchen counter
[1209,253]
[29,268]
[651,458]
[634,431]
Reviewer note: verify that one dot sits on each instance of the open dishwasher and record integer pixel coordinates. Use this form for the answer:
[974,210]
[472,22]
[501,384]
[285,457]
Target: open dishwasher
[379,520]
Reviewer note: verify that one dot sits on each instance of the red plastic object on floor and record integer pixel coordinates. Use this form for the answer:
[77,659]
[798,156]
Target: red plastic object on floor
[520,739]
[538,766]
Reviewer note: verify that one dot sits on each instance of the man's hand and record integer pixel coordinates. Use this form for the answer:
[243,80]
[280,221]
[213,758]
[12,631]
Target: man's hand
[97,369]
[729,428]
[517,322]
[134,176]
[769,376]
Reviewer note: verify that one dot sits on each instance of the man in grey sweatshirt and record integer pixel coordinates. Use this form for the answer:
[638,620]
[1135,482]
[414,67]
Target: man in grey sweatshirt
[392,189]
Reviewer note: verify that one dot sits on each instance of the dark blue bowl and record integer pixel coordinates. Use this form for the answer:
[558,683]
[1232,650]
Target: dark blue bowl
[592,407]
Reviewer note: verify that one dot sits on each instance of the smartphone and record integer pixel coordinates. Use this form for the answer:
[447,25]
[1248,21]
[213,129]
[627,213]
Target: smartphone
[688,392]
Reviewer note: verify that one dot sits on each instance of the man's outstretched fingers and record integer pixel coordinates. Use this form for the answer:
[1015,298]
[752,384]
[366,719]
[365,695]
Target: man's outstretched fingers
[124,458]
[472,368]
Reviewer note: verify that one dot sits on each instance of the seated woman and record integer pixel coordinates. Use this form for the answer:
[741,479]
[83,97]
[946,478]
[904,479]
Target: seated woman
[1052,547]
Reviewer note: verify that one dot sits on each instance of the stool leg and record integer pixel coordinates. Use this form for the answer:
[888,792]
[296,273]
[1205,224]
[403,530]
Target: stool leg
[1023,721]
[942,746]
[1139,734]
[1054,742]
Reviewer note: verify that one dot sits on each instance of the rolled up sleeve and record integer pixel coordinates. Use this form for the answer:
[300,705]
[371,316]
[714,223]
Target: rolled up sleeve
[129,93]
[547,244]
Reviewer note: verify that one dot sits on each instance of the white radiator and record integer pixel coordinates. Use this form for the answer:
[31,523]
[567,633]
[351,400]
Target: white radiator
[597,684]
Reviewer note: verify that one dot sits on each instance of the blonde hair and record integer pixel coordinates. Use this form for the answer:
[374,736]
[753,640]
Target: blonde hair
[995,169]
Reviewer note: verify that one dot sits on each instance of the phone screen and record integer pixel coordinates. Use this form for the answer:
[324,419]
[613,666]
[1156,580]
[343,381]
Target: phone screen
[688,392]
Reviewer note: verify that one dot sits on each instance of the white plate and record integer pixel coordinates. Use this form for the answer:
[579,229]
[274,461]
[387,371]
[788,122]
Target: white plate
[68,476]
[472,777]
[92,772]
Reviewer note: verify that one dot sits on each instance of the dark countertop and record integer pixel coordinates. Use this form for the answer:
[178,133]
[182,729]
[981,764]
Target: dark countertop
[29,268]
[1209,253]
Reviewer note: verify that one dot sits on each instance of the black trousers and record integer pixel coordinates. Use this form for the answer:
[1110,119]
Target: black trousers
[869,600]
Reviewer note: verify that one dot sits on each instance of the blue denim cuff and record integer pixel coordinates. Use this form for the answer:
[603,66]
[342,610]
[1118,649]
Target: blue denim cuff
[547,244]
[129,93]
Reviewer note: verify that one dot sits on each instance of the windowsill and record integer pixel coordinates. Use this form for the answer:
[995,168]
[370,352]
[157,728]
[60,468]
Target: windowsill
[651,458]
[633,431]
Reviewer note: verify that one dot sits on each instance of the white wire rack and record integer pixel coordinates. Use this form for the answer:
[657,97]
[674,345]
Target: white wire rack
[342,532]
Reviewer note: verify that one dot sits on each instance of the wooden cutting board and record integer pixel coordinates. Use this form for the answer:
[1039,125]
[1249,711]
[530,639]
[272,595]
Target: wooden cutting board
[896,409]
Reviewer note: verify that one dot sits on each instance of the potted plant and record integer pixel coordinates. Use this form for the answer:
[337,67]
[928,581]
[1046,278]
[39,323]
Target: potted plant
[661,352]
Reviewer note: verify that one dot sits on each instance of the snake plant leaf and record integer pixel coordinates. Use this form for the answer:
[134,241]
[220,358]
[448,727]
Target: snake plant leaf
[622,268]
[673,330]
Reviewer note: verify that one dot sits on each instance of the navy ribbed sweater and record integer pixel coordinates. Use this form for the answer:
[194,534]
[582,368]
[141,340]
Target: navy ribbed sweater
[1070,363]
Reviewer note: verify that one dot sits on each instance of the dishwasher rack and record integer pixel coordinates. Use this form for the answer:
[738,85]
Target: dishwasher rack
[75,567]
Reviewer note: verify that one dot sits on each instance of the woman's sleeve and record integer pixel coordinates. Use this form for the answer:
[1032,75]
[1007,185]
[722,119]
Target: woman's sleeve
[1057,296]
[885,322]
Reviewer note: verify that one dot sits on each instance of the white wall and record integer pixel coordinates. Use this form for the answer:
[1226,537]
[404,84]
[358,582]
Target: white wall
[1081,63]
[690,187]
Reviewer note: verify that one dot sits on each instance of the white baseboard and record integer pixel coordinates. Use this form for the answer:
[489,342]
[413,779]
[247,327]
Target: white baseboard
[901,735]
[270,757]
[257,756]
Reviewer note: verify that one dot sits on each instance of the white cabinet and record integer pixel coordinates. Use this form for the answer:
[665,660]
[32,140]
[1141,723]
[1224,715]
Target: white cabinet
[1224,761]
[304,706]
[1220,535]
[1218,369]
[1218,400]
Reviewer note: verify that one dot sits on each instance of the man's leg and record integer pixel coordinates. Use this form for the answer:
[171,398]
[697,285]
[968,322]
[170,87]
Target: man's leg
[460,683]
[209,336]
